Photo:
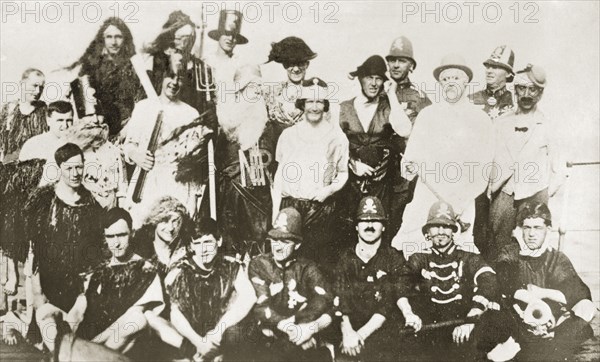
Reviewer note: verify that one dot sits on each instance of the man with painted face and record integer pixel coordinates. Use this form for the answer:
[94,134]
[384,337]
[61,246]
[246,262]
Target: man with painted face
[372,121]
[525,138]
[210,295]
[550,303]
[450,145]
[294,298]
[170,52]
[366,277]
[445,283]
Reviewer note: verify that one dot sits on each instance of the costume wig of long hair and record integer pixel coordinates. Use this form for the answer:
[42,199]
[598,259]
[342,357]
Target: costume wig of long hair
[90,60]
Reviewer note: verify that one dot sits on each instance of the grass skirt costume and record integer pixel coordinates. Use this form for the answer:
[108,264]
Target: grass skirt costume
[16,128]
[113,289]
[66,241]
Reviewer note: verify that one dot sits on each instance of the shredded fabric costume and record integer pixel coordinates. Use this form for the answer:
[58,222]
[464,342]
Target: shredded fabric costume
[202,296]
[113,289]
[16,128]
[245,205]
[117,88]
[66,241]
[17,181]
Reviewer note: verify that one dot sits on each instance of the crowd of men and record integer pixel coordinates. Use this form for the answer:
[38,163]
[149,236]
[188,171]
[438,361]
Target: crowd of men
[175,207]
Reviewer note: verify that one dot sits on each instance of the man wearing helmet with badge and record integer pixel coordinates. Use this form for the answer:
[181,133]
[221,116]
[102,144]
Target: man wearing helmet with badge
[365,283]
[445,283]
[293,296]
[401,63]
[495,100]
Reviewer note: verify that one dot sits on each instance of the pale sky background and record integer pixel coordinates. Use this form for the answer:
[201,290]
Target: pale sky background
[564,40]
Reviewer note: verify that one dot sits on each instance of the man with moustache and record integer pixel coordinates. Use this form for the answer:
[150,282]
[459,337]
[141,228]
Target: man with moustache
[63,226]
[528,165]
[294,298]
[495,100]
[366,279]
[106,63]
[210,296]
[244,160]
[401,63]
[373,122]
[171,51]
[448,149]
[23,118]
[445,283]
[312,158]
[181,136]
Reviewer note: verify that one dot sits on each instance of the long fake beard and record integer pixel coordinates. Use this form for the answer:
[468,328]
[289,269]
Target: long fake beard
[88,135]
[243,121]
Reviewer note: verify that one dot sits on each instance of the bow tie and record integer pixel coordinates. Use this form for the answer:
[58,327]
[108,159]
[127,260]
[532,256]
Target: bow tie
[521,129]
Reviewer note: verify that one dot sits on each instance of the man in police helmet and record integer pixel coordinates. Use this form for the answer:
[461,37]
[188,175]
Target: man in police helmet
[366,278]
[445,284]
[495,100]
[401,63]
[294,299]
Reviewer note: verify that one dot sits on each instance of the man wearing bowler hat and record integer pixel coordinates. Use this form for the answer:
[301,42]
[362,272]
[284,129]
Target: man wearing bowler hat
[228,35]
[293,296]
[366,278]
[401,63]
[373,123]
[448,148]
[528,166]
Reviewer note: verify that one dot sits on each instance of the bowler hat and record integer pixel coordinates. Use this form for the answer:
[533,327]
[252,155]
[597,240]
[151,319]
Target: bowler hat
[532,74]
[452,61]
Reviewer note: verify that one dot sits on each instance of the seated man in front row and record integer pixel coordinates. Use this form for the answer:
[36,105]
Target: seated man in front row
[210,296]
[366,277]
[551,306]
[293,296]
[446,284]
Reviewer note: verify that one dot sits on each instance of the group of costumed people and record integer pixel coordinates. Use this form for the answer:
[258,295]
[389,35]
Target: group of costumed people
[165,218]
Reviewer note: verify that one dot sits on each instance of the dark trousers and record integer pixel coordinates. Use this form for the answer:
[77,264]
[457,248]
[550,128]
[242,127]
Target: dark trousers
[502,222]
[480,226]
[317,219]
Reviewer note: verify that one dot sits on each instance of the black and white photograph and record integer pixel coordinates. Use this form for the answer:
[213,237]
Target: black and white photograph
[340,181]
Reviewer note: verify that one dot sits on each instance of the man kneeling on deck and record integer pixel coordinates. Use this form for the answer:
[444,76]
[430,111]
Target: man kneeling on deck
[550,306]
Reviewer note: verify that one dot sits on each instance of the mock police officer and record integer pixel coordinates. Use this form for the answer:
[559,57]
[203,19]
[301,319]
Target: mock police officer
[366,278]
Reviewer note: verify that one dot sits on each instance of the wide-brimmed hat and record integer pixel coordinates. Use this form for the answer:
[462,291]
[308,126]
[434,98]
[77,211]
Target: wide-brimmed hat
[453,61]
[287,226]
[374,65]
[370,208]
[230,23]
[291,50]
[401,48]
[442,214]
